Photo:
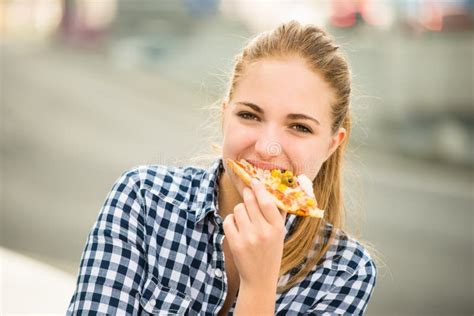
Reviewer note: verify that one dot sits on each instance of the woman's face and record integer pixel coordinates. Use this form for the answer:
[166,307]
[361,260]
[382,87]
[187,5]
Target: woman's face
[279,117]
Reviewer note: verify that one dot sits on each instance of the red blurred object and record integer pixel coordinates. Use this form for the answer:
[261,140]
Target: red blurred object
[350,13]
[343,13]
[438,16]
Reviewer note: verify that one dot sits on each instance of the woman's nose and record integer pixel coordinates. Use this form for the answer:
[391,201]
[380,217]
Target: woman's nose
[268,145]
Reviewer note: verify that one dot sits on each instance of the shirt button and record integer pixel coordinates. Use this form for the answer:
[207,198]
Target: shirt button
[152,302]
[218,273]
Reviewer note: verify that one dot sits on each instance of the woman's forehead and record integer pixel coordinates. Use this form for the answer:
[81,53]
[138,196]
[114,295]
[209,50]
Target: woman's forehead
[286,83]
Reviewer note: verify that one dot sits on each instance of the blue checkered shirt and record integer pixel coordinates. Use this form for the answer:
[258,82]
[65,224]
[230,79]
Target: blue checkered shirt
[156,248]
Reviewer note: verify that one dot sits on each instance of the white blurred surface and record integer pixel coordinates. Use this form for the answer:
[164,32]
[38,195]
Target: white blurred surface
[30,287]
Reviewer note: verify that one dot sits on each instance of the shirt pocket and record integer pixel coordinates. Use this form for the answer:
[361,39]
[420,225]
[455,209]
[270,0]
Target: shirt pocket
[157,299]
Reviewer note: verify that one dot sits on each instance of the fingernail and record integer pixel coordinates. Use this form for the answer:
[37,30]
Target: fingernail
[255,183]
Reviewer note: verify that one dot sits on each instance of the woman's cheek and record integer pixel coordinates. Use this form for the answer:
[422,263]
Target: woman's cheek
[307,160]
[239,136]
[233,147]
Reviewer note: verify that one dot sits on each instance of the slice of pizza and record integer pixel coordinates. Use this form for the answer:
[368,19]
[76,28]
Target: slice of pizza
[290,193]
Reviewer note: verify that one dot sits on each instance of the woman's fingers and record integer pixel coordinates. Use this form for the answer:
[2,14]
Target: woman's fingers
[268,207]
[253,209]
[242,217]
[230,228]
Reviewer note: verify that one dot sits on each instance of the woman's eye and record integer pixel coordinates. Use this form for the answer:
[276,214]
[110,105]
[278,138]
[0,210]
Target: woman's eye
[301,128]
[247,116]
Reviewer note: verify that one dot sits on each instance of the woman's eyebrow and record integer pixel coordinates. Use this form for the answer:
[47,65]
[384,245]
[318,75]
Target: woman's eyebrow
[299,116]
[292,116]
[255,107]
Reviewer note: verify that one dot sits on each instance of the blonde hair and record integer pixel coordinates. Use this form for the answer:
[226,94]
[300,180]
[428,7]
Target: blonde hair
[322,56]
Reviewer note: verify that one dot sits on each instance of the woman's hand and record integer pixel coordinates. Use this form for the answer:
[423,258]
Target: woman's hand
[255,233]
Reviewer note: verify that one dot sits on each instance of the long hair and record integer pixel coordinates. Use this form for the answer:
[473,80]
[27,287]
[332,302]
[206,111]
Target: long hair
[322,56]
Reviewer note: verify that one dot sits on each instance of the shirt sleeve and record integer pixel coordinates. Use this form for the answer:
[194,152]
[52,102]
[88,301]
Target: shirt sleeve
[350,295]
[113,263]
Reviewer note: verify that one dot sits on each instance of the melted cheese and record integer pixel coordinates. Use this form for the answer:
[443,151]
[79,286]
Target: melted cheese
[306,185]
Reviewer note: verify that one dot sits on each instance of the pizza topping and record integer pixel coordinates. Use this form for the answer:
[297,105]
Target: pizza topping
[287,173]
[276,173]
[306,184]
[295,193]
[288,181]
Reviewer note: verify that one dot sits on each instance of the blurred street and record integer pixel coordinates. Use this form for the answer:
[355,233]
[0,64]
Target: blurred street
[72,123]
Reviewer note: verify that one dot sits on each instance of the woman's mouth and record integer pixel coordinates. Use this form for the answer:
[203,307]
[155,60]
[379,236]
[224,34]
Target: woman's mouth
[265,165]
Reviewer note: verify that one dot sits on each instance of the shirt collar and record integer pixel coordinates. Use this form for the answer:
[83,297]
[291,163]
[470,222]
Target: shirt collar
[207,195]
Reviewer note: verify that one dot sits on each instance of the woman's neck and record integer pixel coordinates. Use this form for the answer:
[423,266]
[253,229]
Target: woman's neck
[228,196]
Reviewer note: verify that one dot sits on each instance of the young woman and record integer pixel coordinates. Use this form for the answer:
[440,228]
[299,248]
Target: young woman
[200,242]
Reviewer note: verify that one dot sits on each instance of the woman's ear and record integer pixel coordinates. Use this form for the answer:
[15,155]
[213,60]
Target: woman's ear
[336,140]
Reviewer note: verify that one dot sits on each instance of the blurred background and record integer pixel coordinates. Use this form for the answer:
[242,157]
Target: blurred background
[91,88]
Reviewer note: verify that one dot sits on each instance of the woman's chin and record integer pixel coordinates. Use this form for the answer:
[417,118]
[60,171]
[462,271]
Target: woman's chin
[237,184]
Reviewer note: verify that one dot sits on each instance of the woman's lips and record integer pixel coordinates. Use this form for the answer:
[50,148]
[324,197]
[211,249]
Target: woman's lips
[265,165]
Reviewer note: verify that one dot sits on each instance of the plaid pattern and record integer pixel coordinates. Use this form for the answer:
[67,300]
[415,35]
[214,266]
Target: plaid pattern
[156,248]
